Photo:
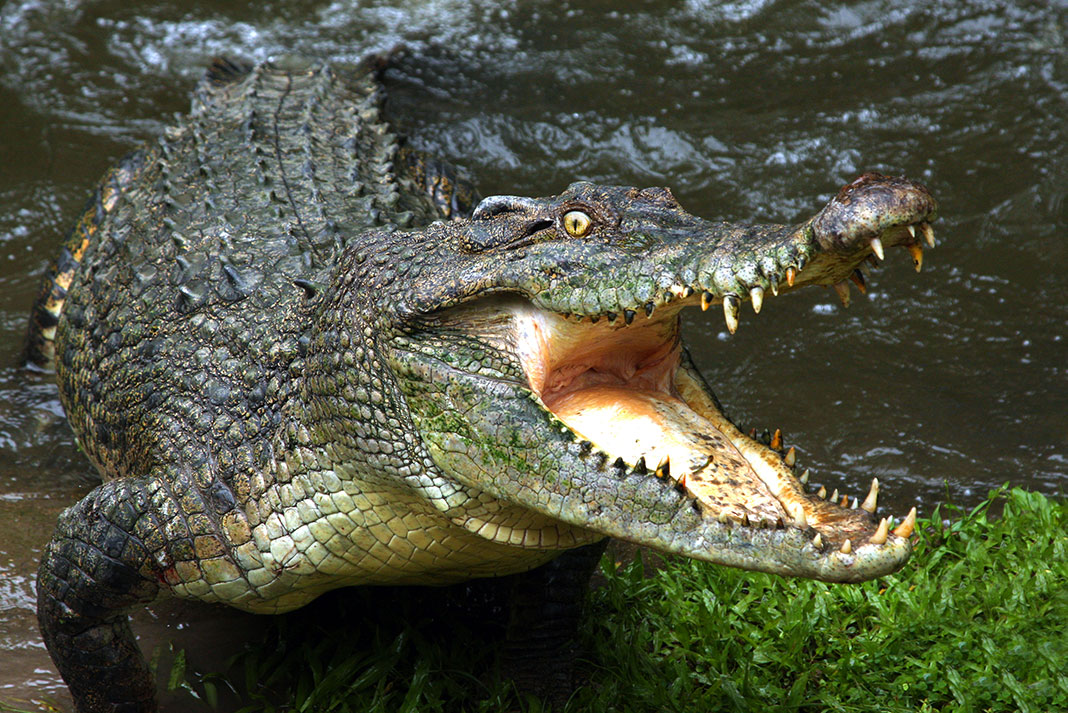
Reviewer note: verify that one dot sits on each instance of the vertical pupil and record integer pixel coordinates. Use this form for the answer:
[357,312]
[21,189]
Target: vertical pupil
[575,222]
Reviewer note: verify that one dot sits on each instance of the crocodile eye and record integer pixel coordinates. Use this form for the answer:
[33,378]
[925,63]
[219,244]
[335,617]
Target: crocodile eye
[576,223]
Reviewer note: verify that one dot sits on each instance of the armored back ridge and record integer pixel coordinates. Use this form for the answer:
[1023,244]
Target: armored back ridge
[303,356]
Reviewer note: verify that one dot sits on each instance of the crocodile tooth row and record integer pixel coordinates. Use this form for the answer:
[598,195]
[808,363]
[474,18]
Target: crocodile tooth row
[905,529]
[732,302]
[870,503]
[799,519]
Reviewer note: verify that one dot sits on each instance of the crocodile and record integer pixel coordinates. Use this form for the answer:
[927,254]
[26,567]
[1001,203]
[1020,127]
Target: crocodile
[303,356]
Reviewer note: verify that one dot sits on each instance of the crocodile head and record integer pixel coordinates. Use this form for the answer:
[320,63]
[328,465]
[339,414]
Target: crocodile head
[539,350]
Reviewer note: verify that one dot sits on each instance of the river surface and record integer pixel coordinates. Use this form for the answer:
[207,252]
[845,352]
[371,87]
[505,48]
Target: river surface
[943,384]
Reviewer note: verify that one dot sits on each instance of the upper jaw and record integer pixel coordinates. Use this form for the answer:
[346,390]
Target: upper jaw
[696,262]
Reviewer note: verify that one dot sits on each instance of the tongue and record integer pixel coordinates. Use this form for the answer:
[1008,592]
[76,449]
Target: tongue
[633,424]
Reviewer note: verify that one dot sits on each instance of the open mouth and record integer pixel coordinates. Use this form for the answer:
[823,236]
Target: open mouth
[625,384]
[577,302]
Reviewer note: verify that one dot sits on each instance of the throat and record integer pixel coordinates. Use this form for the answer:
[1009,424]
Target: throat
[561,356]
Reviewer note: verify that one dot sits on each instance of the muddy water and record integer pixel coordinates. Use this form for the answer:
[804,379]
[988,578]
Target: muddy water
[942,384]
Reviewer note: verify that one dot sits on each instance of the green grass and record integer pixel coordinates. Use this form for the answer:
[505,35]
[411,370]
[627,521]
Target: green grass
[977,621]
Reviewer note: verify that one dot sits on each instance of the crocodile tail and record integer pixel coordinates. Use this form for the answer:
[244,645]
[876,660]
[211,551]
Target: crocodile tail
[47,308]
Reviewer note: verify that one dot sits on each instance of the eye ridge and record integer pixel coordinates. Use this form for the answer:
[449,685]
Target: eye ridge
[577,223]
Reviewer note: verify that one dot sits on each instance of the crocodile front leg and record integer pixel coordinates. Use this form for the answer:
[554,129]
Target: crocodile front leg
[98,564]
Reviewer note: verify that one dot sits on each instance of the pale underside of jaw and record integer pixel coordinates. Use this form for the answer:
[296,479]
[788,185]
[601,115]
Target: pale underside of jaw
[625,389]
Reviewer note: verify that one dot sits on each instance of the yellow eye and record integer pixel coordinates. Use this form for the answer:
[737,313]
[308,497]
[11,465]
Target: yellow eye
[576,223]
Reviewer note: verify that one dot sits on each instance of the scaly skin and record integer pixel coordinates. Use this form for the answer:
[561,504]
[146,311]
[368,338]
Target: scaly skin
[291,380]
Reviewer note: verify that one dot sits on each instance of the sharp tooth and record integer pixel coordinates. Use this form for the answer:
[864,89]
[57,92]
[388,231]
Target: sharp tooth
[722,517]
[928,234]
[834,496]
[845,501]
[757,295]
[706,300]
[917,255]
[664,469]
[745,520]
[681,482]
[817,541]
[799,517]
[790,458]
[855,504]
[877,248]
[791,275]
[687,292]
[804,477]
[846,547]
[649,309]
[611,316]
[776,440]
[858,279]
[842,288]
[879,537]
[730,312]
[822,493]
[873,496]
[628,315]
[905,529]
[912,230]
[640,466]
